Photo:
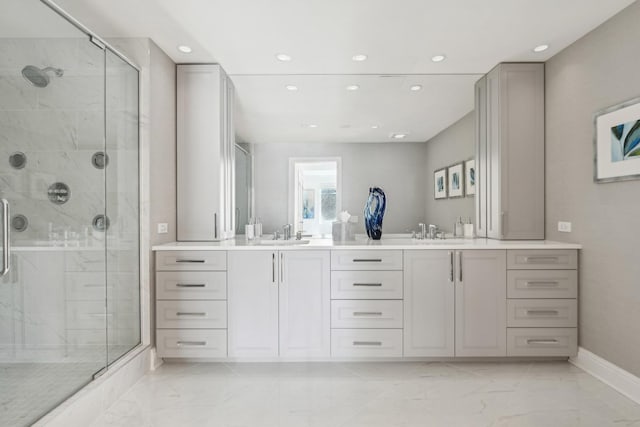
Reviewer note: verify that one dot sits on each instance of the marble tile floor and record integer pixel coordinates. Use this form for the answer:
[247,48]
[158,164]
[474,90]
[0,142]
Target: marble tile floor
[29,390]
[465,394]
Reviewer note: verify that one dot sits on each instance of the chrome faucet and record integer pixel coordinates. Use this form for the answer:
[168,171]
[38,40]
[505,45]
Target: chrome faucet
[423,231]
[286,231]
[433,231]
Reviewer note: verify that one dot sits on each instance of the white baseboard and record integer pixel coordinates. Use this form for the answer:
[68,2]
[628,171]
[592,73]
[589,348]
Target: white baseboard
[610,374]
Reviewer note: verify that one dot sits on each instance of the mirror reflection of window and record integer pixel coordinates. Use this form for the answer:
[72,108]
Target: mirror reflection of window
[316,195]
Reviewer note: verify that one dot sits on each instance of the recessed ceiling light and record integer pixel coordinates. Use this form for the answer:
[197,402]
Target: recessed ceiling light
[312,126]
[352,87]
[541,48]
[398,135]
[292,87]
[359,57]
[374,126]
[283,57]
[438,58]
[416,88]
[184,48]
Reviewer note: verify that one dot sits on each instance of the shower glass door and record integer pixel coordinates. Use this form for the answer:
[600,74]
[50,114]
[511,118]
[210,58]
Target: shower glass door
[53,299]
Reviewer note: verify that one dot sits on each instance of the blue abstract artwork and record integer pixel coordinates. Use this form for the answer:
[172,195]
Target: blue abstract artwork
[625,141]
[374,212]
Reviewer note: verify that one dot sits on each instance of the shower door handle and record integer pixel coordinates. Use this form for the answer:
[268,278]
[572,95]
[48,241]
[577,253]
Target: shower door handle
[6,248]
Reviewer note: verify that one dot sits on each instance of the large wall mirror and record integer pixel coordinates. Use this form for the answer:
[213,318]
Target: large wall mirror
[377,125]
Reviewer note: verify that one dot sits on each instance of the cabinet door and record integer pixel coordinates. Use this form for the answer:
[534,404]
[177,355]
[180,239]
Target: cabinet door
[521,151]
[429,300]
[481,303]
[253,303]
[199,160]
[481,156]
[305,310]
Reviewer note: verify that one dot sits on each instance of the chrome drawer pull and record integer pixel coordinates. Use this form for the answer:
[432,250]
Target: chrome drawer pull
[182,313]
[367,284]
[192,343]
[198,261]
[542,312]
[542,284]
[377,343]
[544,342]
[541,259]
[190,285]
[367,313]
[367,260]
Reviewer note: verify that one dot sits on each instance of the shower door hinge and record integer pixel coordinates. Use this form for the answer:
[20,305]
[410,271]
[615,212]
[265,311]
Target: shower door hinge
[100,373]
[95,40]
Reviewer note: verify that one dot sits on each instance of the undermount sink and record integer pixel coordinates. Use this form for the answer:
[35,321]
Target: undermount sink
[283,242]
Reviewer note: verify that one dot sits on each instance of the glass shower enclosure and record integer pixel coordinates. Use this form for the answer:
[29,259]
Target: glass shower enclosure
[69,208]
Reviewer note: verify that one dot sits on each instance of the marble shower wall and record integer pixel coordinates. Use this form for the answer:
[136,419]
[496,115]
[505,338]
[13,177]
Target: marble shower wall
[59,128]
[92,107]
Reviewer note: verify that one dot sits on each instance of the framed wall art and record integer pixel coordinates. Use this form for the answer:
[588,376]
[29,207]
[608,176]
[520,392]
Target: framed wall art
[470,177]
[456,180]
[440,184]
[617,142]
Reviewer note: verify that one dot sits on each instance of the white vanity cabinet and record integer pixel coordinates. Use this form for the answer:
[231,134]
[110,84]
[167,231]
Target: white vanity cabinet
[305,311]
[366,303]
[253,303]
[542,305]
[455,303]
[191,304]
[481,303]
[345,303]
[205,153]
[429,303]
[279,304]
[510,152]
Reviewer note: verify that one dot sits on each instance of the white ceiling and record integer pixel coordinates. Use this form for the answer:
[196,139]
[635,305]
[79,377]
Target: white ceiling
[399,37]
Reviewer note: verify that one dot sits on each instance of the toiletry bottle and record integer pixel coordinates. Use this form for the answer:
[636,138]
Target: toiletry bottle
[458,229]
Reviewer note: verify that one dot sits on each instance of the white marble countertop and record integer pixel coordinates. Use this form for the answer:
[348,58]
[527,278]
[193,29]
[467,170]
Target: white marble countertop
[240,243]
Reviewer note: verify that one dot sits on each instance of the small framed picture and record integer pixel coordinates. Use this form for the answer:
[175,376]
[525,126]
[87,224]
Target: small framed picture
[456,184]
[470,177]
[440,184]
[617,142]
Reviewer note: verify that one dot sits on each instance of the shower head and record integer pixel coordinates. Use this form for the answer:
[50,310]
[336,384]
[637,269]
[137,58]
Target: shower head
[38,76]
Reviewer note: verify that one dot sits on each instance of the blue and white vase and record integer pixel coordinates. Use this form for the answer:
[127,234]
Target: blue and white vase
[374,212]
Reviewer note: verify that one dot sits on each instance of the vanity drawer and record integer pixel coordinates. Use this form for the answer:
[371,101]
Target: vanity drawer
[199,285]
[366,260]
[366,343]
[366,314]
[191,314]
[366,284]
[191,342]
[191,260]
[530,313]
[542,284]
[542,259]
[542,341]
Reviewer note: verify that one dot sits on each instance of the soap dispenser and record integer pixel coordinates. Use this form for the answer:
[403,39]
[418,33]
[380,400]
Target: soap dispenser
[458,228]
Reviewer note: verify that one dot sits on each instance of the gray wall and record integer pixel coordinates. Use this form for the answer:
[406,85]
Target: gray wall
[453,145]
[598,71]
[398,168]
